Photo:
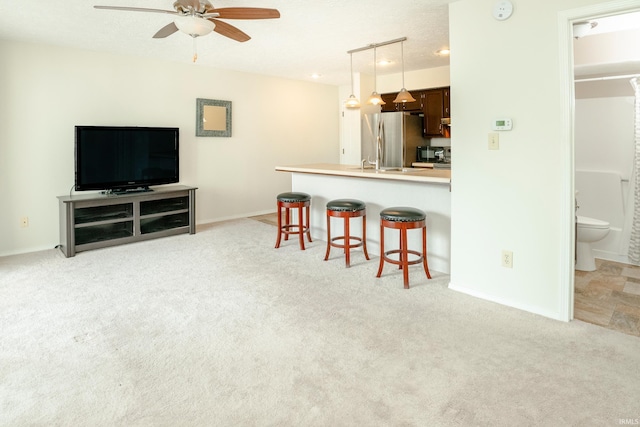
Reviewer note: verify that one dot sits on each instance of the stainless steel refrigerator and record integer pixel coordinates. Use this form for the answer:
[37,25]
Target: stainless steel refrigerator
[391,139]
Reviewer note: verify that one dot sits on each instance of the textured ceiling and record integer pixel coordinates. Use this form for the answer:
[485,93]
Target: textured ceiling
[310,36]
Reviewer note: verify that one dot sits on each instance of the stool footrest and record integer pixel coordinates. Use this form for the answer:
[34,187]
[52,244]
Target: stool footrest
[342,246]
[399,260]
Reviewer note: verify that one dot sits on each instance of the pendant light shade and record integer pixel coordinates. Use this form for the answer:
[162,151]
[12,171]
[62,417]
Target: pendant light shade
[352,101]
[375,98]
[403,95]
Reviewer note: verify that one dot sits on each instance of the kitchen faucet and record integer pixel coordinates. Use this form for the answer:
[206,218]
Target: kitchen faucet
[379,144]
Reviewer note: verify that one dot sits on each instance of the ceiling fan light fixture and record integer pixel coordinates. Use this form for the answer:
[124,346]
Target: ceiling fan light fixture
[194,26]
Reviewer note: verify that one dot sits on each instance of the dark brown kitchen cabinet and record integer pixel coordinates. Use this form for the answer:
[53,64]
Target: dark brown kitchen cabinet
[434,104]
[436,107]
[389,105]
[447,102]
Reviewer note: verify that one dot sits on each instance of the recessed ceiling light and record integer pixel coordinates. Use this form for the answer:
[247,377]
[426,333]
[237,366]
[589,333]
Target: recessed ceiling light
[443,52]
[316,76]
[384,62]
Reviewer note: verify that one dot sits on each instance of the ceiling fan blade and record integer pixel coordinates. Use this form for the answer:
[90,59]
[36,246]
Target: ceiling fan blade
[136,9]
[165,31]
[245,13]
[230,31]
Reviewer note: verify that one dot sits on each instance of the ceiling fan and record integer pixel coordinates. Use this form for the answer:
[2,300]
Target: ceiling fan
[198,18]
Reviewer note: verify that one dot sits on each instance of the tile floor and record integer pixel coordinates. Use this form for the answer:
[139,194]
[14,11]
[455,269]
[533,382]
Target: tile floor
[609,296]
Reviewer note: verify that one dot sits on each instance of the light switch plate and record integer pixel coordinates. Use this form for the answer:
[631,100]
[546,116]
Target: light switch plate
[494,141]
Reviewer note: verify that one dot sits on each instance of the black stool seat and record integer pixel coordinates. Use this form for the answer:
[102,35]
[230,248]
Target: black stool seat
[346,205]
[403,214]
[293,197]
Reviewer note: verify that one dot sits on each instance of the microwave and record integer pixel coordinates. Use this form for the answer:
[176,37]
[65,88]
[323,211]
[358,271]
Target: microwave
[427,154]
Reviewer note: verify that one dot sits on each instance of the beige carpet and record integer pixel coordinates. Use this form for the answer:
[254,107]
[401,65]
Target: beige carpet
[221,329]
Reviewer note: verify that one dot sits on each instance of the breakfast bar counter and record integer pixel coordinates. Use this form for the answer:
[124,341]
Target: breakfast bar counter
[427,175]
[426,189]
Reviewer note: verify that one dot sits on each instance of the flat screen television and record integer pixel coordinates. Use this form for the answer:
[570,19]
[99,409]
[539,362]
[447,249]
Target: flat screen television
[125,158]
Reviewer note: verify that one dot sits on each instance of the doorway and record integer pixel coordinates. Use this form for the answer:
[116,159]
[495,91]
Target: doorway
[612,307]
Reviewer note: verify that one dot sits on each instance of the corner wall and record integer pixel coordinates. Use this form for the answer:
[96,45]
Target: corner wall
[48,90]
[514,198]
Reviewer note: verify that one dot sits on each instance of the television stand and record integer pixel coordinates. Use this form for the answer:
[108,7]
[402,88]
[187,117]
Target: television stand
[92,221]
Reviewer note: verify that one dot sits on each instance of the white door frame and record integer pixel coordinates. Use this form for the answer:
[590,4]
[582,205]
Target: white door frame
[566,19]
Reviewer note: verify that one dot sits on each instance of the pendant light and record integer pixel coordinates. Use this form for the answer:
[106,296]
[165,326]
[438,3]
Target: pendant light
[352,101]
[375,97]
[403,95]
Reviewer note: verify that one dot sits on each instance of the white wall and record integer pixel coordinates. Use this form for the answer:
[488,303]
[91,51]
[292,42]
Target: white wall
[513,198]
[47,90]
[413,80]
[604,134]
[604,156]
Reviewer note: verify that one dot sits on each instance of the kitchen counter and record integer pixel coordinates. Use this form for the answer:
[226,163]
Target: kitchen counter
[432,165]
[434,176]
[426,189]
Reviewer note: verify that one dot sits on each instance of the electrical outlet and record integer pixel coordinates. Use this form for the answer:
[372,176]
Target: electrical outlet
[24,222]
[494,141]
[507,259]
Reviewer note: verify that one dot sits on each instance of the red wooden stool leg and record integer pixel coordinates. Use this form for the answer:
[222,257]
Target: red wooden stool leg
[381,250]
[308,225]
[364,237]
[286,221]
[424,252]
[301,227]
[347,241]
[279,225]
[326,255]
[404,256]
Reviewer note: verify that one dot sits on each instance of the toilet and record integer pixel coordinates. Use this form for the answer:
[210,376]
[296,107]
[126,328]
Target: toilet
[589,230]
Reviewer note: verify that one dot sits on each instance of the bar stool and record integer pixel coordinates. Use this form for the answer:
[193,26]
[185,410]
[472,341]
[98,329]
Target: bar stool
[288,201]
[347,209]
[403,219]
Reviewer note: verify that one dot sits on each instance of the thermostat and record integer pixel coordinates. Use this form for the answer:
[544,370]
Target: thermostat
[501,124]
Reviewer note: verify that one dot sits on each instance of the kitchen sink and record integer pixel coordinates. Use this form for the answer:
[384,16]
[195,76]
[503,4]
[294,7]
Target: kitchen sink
[388,170]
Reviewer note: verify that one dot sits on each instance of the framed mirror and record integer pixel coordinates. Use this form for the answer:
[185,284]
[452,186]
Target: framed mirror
[213,117]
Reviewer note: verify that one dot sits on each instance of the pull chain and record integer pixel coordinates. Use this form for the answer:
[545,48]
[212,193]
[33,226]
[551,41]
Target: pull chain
[195,50]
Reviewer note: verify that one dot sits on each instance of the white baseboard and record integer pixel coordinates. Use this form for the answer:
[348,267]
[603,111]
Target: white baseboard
[238,216]
[506,302]
[612,256]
